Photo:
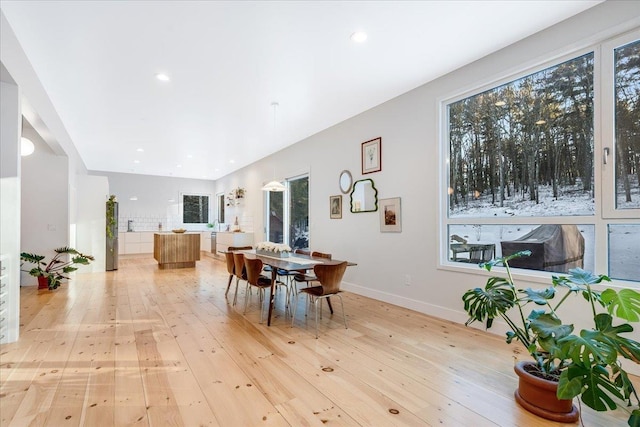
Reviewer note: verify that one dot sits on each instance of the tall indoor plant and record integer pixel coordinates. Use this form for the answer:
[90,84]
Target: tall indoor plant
[584,363]
[50,274]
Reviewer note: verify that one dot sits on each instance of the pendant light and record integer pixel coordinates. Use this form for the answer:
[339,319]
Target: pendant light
[274,185]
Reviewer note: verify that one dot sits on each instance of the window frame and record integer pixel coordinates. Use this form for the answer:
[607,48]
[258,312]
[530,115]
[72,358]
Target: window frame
[604,201]
[608,129]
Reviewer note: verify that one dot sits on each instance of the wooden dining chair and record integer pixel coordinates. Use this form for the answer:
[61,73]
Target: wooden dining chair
[228,257]
[330,277]
[304,277]
[254,278]
[239,271]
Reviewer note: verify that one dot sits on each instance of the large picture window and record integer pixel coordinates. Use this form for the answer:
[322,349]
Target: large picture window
[524,169]
[195,209]
[525,148]
[288,214]
[627,125]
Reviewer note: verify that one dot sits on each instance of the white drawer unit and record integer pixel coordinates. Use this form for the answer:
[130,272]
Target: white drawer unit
[226,239]
[137,242]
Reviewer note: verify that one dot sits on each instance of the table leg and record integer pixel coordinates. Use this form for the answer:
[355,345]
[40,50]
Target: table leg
[271,294]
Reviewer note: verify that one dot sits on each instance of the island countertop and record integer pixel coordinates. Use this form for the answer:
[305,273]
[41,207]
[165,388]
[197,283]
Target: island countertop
[176,250]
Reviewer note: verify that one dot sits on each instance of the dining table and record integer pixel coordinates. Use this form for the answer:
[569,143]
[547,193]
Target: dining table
[291,262]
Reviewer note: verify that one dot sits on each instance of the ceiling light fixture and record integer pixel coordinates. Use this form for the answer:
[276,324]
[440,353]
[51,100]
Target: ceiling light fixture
[134,198]
[359,37]
[136,161]
[162,77]
[274,185]
[26,147]
[140,150]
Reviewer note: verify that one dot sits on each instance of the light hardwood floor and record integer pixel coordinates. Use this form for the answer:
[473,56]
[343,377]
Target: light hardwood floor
[148,347]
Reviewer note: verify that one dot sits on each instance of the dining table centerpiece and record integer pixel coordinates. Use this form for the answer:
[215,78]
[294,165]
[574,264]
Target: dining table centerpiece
[279,250]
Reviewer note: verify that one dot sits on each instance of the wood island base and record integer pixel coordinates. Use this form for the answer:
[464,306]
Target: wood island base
[176,250]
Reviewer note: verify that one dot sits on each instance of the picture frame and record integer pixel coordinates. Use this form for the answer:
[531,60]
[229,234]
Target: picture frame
[371,155]
[335,207]
[390,215]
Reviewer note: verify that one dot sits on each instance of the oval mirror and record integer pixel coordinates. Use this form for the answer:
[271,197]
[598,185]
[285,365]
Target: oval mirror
[364,196]
[345,181]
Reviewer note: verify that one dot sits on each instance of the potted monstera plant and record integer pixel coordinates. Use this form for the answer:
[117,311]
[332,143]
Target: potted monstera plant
[51,273]
[570,363]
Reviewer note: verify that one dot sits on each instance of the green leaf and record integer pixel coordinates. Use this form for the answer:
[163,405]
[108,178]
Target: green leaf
[568,388]
[634,419]
[583,349]
[550,330]
[607,338]
[497,297]
[624,304]
[504,260]
[593,383]
[539,296]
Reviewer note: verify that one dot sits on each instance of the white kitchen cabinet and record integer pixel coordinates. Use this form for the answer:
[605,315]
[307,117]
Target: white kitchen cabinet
[137,242]
[226,239]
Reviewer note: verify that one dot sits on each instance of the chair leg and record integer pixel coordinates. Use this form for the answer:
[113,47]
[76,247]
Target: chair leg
[246,299]
[235,296]
[329,303]
[228,285]
[315,304]
[344,316]
[293,314]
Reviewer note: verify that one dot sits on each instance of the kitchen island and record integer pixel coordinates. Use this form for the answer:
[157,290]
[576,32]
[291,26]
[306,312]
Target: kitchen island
[176,250]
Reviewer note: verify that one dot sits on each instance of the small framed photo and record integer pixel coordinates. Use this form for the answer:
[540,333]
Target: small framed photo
[390,215]
[335,206]
[372,156]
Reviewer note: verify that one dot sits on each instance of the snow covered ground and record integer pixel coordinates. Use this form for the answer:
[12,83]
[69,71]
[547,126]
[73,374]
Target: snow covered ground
[624,239]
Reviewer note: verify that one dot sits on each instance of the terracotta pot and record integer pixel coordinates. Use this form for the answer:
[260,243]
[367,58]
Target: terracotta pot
[43,282]
[538,396]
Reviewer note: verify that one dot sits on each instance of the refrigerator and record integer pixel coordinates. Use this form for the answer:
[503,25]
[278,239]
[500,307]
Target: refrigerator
[112,236]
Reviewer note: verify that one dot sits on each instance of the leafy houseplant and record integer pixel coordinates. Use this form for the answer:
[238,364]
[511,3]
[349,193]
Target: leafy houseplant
[111,215]
[584,363]
[56,269]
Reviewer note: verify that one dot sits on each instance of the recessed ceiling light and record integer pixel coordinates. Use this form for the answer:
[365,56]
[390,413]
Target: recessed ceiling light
[134,198]
[136,161]
[232,161]
[217,170]
[140,150]
[359,36]
[162,77]
[189,156]
[171,200]
[178,166]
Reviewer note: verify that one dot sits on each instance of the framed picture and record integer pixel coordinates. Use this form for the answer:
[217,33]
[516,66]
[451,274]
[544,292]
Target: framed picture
[372,156]
[390,215]
[335,206]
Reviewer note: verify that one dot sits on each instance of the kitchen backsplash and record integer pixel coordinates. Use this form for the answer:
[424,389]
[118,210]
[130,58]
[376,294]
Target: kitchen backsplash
[142,222]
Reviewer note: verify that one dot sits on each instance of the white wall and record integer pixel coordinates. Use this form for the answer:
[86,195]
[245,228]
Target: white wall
[45,200]
[153,203]
[93,192]
[410,131]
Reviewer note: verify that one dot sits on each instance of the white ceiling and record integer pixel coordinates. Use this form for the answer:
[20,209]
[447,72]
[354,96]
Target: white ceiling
[228,61]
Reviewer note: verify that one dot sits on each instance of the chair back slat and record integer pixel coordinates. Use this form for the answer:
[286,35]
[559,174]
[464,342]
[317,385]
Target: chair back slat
[238,261]
[330,276]
[302,252]
[320,255]
[253,267]
[228,257]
